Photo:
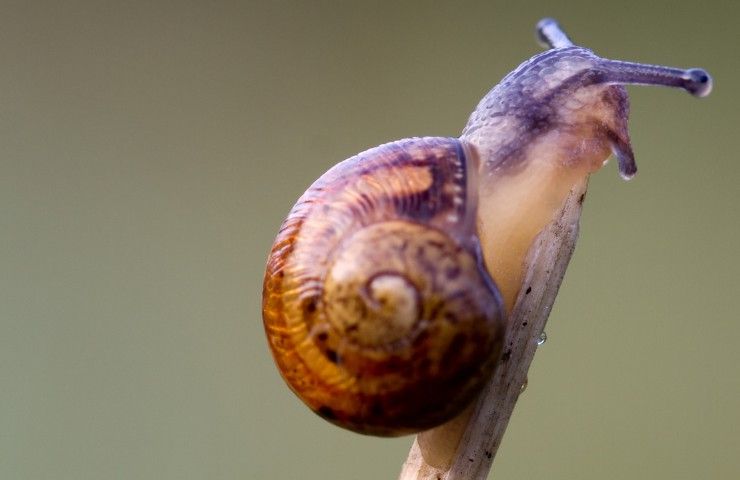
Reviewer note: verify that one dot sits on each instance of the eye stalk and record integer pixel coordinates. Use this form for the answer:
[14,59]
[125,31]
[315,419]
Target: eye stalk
[550,34]
[696,81]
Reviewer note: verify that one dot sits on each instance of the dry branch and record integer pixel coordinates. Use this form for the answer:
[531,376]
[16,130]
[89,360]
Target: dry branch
[464,448]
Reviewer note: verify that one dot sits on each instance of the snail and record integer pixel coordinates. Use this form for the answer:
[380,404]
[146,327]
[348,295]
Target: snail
[387,287]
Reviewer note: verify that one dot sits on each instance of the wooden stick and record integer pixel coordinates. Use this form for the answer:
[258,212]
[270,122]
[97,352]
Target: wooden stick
[464,448]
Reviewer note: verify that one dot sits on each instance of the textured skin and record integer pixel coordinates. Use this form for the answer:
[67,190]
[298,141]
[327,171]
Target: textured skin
[558,91]
[376,307]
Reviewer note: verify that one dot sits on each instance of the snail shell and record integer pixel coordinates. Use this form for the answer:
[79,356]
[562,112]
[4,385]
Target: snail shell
[377,309]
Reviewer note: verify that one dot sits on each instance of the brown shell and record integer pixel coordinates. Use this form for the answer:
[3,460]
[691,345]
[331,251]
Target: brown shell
[375,304]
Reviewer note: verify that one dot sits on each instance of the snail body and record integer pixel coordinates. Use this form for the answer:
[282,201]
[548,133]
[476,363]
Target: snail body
[386,290]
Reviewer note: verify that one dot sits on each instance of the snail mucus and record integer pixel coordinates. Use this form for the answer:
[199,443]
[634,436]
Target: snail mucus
[387,287]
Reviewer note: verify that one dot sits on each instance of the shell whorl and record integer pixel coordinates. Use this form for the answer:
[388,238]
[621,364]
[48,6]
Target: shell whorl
[376,306]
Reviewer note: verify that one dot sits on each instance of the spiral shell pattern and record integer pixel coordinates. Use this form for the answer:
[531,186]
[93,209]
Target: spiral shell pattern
[376,306]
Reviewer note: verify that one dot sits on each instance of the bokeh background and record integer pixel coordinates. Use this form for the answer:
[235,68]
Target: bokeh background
[150,150]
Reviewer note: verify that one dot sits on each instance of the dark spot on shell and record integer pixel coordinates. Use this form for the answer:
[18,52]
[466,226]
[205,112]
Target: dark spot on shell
[394,363]
[309,305]
[450,317]
[489,455]
[352,327]
[436,243]
[435,310]
[524,324]
[581,198]
[367,199]
[331,355]
[528,291]
[326,412]
[322,336]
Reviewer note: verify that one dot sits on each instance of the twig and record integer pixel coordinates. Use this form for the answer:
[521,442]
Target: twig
[464,448]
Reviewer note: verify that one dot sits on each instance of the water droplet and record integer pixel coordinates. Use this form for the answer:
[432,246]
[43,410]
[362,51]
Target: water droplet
[542,338]
[524,385]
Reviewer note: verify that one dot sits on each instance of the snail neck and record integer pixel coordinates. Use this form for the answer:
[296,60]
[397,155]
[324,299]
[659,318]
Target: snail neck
[515,204]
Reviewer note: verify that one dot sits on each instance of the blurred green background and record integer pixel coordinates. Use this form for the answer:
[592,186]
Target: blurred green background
[150,151]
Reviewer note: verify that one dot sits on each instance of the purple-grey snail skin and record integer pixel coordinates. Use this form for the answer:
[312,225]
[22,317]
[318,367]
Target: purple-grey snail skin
[387,287]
